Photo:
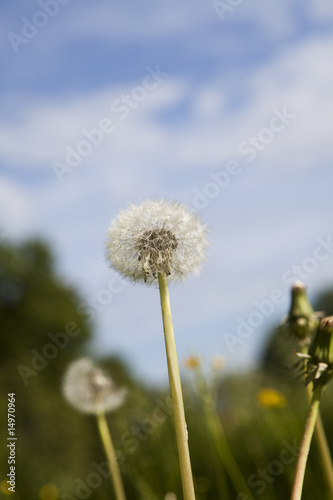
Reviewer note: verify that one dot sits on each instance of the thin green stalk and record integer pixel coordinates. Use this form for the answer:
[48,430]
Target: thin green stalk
[305,444]
[142,486]
[324,453]
[111,456]
[319,437]
[220,474]
[176,391]
[219,438]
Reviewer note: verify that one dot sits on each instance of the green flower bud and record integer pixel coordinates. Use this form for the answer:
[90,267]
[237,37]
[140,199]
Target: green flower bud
[320,361]
[301,320]
[321,349]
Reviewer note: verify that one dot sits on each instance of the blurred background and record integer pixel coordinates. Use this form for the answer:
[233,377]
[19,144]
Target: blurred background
[226,108]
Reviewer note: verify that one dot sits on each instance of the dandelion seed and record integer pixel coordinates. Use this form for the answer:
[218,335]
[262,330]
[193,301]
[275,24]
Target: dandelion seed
[156,237]
[159,241]
[88,389]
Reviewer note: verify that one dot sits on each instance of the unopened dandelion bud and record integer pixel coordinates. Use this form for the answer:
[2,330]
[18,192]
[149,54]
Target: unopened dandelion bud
[319,361]
[301,320]
[321,349]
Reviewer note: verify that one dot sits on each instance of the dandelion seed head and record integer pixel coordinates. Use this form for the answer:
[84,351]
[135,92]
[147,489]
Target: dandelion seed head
[170,496]
[156,237]
[89,389]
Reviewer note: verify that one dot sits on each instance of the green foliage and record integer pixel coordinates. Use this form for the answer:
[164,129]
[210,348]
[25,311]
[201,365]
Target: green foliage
[34,303]
[58,445]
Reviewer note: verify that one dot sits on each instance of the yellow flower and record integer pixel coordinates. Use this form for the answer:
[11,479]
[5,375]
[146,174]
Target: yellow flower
[4,488]
[48,492]
[270,398]
[192,362]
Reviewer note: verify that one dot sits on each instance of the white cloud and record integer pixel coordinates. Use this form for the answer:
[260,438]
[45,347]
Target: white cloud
[207,136]
[160,150]
[44,128]
[16,213]
[320,10]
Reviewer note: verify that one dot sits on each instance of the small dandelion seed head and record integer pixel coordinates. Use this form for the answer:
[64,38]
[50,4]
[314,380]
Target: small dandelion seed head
[156,237]
[89,389]
[170,496]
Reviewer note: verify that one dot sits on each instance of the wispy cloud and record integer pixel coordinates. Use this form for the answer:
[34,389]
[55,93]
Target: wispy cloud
[226,82]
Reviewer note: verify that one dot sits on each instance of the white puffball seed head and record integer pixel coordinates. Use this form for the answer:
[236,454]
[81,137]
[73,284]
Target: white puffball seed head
[88,389]
[156,237]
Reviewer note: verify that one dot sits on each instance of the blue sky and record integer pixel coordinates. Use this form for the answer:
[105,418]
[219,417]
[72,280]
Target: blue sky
[229,113]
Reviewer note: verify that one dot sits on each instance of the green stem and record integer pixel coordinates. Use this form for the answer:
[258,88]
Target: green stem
[111,456]
[319,437]
[324,453]
[305,444]
[176,391]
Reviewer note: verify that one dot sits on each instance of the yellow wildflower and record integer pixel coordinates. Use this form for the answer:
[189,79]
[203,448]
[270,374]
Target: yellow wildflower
[270,398]
[192,362]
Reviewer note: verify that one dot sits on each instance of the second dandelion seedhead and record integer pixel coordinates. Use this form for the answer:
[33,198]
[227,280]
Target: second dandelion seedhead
[89,389]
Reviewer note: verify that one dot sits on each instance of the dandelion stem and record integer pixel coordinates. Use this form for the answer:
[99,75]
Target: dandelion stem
[324,453]
[305,444]
[319,437]
[111,456]
[176,391]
